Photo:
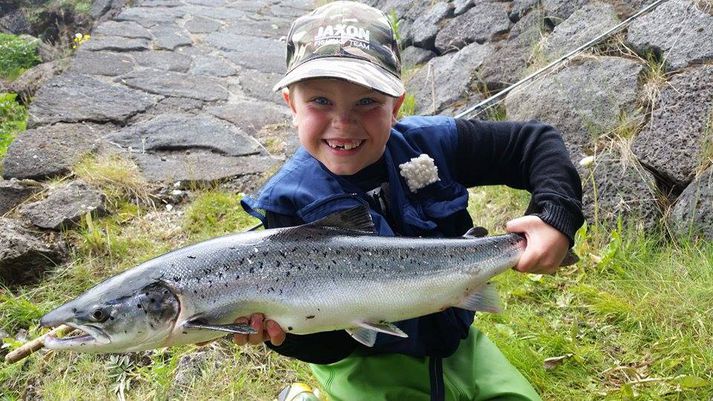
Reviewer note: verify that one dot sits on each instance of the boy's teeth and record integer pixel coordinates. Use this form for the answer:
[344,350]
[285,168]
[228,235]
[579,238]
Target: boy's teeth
[345,146]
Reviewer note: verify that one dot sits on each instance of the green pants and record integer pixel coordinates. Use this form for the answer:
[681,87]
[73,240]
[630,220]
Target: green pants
[476,371]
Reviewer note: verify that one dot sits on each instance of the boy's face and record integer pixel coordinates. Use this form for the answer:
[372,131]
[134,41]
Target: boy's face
[343,125]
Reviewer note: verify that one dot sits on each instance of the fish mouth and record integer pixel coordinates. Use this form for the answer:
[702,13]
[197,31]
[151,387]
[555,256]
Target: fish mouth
[89,336]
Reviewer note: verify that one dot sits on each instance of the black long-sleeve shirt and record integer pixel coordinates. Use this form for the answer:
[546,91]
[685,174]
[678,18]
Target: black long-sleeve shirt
[528,156]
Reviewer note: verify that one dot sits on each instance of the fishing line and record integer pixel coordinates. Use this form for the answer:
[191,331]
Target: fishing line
[494,100]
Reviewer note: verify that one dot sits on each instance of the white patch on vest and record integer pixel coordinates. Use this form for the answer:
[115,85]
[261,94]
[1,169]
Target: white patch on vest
[419,172]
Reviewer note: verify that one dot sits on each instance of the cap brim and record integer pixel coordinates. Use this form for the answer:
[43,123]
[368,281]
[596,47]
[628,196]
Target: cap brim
[360,72]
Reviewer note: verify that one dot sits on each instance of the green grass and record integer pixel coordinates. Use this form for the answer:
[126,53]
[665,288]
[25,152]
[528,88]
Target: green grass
[631,321]
[16,55]
[13,120]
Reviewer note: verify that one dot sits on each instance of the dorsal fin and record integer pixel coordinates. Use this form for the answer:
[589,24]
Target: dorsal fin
[353,219]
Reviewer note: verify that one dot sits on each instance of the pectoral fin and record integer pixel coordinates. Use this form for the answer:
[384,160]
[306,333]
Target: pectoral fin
[235,328]
[366,332]
[484,299]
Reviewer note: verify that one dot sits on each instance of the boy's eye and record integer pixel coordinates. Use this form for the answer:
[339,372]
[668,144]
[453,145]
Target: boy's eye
[366,101]
[321,100]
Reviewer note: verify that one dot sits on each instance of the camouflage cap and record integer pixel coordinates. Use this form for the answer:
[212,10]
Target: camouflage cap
[345,40]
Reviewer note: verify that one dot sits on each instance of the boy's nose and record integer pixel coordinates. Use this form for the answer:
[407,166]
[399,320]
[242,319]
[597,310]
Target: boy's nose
[342,119]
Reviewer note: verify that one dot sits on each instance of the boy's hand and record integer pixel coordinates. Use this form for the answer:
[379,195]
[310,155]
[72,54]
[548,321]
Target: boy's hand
[546,246]
[266,330]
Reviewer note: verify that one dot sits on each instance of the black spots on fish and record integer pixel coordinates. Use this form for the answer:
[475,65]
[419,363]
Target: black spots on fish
[282,254]
[265,253]
[207,271]
[139,306]
[237,277]
[358,257]
[252,270]
[363,276]
[287,274]
[220,275]
[191,257]
[111,318]
[309,317]
[74,310]
[278,263]
[289,328]
[176,279]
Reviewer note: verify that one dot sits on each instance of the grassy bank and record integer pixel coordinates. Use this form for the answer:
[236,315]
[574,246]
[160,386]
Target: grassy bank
[631,321]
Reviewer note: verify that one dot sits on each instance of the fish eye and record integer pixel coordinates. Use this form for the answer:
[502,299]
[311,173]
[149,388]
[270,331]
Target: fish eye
[99,315]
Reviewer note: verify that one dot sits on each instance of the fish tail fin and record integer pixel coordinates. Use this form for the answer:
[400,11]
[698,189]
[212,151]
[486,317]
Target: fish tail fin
[484,299]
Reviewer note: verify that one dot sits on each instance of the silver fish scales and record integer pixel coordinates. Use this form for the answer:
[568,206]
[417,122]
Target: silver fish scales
[328,275]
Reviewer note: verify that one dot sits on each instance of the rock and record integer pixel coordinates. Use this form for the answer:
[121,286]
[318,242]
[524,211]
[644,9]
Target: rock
[101,63]
[50,151]
[116,44]
[583,25]
[520,8]
[163,60]
[479,24]
[250,115]
[260,26]
[197,165]
[151,16]
[64,206]
[104,9]
[678,29]
[424,28]
[202,25]
[75,97]
[259,85]
[461,6]
[125,29]
[559,10]
[673,143]
[447,79]
[240,50]
[15,22]
[13,192]
[23,257]
[413,56]
[170,37]
[693,212]
[180,132]
[508,62]
[213,66]
[616,186]
[32,80]
[583,101]
[177,84]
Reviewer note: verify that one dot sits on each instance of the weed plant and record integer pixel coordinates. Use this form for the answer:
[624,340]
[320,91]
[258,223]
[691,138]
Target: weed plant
[13,120]
[16,55]
[630,321]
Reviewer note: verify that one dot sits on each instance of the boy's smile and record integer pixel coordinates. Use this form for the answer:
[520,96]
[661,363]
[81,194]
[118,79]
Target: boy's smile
[343,125]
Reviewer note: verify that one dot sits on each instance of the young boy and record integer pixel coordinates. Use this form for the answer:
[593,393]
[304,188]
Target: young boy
[344,89]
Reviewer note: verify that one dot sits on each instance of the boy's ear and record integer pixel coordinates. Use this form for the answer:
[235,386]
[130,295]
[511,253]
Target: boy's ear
[397,106]
[286,97]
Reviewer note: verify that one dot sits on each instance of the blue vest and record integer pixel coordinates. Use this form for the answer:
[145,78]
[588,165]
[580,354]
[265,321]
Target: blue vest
[305,188]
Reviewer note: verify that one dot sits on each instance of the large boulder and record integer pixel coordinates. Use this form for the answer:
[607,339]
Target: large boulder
[13,192]
[693,212]
[583,25]
[23,256]
[51,151]
[616,186]
[674,141]
[678,29]
[64,206]
[479,24]
[584,100]
[447,79]
[78,97]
